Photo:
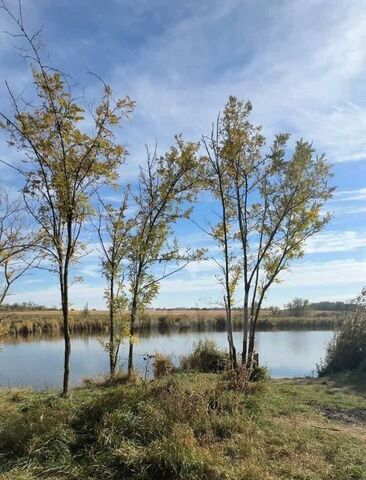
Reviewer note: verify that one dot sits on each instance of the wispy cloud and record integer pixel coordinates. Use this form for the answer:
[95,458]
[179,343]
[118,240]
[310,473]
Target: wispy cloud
[79,296]
[340,241]
[350,195]
[335,272]
[302,84]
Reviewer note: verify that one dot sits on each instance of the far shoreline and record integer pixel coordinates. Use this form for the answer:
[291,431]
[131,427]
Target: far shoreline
[32,322]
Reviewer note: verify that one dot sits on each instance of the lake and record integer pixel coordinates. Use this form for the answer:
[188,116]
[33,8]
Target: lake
[38,362]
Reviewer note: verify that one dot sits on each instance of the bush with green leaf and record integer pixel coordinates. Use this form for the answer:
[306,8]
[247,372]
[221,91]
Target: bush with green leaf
[347,349]
[206,357]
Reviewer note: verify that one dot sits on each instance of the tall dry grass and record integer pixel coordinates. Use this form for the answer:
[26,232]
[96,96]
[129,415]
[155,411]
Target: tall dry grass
[96,321]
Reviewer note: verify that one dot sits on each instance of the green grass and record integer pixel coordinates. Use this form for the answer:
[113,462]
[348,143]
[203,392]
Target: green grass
[186,426]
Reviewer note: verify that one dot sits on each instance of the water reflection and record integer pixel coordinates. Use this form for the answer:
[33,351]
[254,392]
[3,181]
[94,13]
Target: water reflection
[37,361]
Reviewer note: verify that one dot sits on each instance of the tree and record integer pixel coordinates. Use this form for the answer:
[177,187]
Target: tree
[333,306]
[16,256]
[63,166]
[114,236]
[218,179]
[165,188]
[275,203]
[298,307]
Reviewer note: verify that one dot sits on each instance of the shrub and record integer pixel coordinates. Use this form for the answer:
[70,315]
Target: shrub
[236,379]
[347,349]
[244,379]
[163,365]
[206,357]
[259,374]
[240,380]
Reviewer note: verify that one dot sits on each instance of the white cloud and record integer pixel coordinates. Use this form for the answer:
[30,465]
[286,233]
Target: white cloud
[80,294]
[350,195]
[331,273]
[91,270]
[341,241]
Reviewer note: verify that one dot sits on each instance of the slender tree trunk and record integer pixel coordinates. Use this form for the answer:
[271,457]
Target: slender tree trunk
[242,217]
[229,339]
[232,349]
[253,329]
[229,342]
[112,359]
[245,327]
[251,346]
[3,295]
[67,337]
[132,333]
[251,342]
[229,325]
[253,326]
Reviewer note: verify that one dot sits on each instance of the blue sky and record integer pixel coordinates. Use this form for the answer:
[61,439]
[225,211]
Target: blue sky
[303,66]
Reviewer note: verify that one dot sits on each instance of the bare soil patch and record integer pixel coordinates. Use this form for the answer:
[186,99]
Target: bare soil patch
[349,416]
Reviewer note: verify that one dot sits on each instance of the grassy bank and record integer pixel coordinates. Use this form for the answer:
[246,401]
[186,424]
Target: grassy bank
[29,322]
[186,426]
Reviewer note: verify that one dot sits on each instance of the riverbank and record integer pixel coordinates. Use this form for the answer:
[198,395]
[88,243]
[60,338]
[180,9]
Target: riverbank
[97,321]
[187,426]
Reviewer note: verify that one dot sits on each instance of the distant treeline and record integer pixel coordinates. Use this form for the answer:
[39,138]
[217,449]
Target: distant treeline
[24,306]
[333,306]
[322,306]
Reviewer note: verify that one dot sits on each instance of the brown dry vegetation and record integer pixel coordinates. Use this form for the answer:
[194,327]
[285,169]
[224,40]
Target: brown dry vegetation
[96,321]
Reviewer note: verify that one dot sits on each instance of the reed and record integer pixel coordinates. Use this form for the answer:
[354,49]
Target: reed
[97,321]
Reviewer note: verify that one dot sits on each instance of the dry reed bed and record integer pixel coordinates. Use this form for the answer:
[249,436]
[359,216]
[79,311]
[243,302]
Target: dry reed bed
[96,321]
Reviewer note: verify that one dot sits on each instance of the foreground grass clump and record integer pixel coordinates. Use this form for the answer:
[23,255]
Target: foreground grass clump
[184,426]
[163,365]
[206,357]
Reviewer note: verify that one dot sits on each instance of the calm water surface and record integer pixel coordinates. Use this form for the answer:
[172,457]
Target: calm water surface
[38,362]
